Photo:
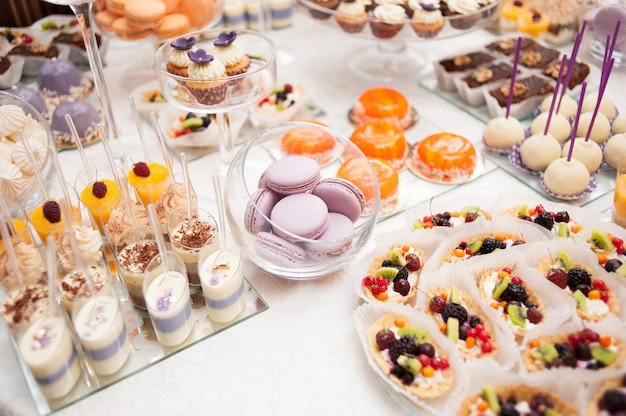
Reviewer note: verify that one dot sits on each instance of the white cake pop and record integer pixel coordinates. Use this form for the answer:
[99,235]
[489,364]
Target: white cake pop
[566,178]
[607,106]
[586,151]
[619,124]
[538,150]
[503,132]
[615,149]
[567,108]
[600,131]
[559,127]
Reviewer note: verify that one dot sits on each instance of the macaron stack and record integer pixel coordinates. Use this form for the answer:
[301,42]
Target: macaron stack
[297,216]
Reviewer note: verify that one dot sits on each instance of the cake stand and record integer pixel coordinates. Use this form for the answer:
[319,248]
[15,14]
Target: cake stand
[393,59]
[242,90]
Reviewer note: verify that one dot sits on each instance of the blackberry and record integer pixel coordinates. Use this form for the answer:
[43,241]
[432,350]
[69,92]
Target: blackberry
[561,216]
[52,211]
[583,352]
[567,353]
[99,189]
[387,263]
[281,96]
[489,245]
[454,310]
[442,220]
[577,276]
[508,409]
[403,273]
[190,115]
[545,220]
[206,121]
[613,401]
[141,169]
[404,345]
[514,291]
[475,320]
[404,375]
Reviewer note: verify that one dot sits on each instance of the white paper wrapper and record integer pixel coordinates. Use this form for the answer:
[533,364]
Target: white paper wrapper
[265,119]
[595,384]
[365,315]
[580,253]
[427,242]
[474,230]
[610,228]
[12,75]
[506,355]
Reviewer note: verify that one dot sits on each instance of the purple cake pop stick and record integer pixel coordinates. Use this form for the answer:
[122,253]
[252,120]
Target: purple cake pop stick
[575,128]
[572,62]
[555,94]
[509,99]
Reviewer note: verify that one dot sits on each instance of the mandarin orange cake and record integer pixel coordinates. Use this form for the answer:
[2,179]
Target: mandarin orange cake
[445,157]
[383,104]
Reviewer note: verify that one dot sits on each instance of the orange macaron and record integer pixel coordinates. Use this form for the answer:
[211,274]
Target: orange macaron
[104,19]
[200,12]
[173,25]
[123,30]
[144,14]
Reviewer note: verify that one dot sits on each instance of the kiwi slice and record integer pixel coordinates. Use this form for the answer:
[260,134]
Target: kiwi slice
[581,300]
[491,397]
[469,208]
[397,258]
[601,240]
[192,123]
[517,315]
[411,364]
[475,246]
[418,225]
[563,230]
[522,211]
[417,333]
[500,287]
[603,355]
[454,296]
[388,272]
[452,329]
[564,260]
[546,352]
[621,270]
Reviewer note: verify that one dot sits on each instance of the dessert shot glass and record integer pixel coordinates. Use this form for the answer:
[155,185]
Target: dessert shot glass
[619,196]
[46,218]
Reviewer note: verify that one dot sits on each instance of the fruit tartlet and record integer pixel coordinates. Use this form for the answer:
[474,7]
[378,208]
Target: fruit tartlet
[280,106]
[481,245]
[581,349]
[409,356]
[461,319]
[393,276]
[558,223]
[595,299]
[515,400]
[451,219]
[517,303]
[609,399]
[610,251]
[188,124]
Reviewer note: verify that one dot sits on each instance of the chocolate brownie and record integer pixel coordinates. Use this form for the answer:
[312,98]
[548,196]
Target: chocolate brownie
[537,56]
[74,39]
[461,63]
[508,46]
[45,51]
[5,64]
[524,88]
[579,74]
[488,73]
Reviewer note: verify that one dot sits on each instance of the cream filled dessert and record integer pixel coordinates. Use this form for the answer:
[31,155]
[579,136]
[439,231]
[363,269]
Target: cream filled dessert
[132,261]
[607,106]
[169,305]
[615,149]
[539,150]
[120,221]
[567,108]
[600,130]
[74,290]
[173,198]
[559,127]
[221,276]
[48,350]
[566,177]
[188,239]
[100,326]
[29,262]
[24,306]
[503,133]
[586,151]
[89,243]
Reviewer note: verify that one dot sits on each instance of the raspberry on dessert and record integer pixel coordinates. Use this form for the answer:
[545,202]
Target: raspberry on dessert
[141,169]
[99,189]
[385,338]
[52,211]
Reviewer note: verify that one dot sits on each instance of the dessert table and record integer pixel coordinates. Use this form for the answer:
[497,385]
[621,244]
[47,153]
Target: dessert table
[302,355]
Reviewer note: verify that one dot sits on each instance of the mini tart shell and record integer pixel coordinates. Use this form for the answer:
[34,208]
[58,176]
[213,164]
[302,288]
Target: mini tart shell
[532,296]
[447,257]
[513,212]
[375,264]
[473,308]
[614,308]
[532,366]
[592,407]
[521,393]
[387,321]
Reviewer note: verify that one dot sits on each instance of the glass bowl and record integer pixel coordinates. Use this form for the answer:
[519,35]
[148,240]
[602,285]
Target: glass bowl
[29,194]
[242,180]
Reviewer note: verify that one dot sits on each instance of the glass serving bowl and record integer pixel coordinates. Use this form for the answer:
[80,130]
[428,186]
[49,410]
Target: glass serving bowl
[391,59]
[29,194]
[242,180]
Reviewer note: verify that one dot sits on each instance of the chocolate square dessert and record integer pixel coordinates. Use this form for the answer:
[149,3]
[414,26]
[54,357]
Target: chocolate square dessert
[489,73]
[73,39]
[461,63]
[537,56]
[523,89]
[44,51]
[579,74]
[5,64]
[507,46]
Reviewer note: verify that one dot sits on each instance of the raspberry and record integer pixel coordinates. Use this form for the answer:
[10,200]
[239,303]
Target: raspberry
[558,277]
[52,211]
[436,304]
[577,276]
[141,169]
[288,88]
[561,216]
[454,310]
[545,220]
[99,189]
[385,338]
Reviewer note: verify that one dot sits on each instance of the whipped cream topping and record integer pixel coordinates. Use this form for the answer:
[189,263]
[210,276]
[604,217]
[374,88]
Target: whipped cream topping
[463,6]
[353,8]
[24,306]
[390,13]
[179,57]
[12,119]
[173,198]
[89,243]
[74,285]
[214,69]
[229,55]
[119,221]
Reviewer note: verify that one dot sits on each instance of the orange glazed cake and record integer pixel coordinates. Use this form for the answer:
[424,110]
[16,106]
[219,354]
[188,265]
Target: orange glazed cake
[445,157]
[382,104]
[381,139]
[311,142]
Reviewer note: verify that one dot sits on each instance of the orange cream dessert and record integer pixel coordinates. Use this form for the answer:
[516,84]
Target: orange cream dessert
[356,171]
[101,198]
[311,142]
[21,234]
[47,219]
[381,139]
[150,179]
[385,104]
[445,157]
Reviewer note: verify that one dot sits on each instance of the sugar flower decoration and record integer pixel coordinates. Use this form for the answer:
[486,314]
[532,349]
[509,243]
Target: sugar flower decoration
[225,38]
[184,43]
[200,56]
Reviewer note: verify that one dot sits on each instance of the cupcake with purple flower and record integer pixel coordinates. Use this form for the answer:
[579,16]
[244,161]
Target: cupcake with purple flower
[226,49]
[179,61]
[207,78]
[427,20]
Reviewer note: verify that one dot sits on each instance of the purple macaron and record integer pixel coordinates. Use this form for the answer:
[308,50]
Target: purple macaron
[335,241]
[300,215]
[278,250]
[341,196]
[291,175]
[258,210]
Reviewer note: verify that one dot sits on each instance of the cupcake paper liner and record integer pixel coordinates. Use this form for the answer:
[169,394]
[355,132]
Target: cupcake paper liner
[12,75]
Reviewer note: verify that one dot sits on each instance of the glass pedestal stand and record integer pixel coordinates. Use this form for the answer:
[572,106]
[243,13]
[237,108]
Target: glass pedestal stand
[388,61]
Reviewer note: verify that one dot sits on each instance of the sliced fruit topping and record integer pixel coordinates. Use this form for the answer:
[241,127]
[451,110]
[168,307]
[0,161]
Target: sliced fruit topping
[563,230]
[501,286]
[454,296]
[397,257]
[418,333]
[600,240]
[411,364]
[581,300]
[564,260]
[387,272]
[603,355]
[452,329]
[516,314]
[490,396]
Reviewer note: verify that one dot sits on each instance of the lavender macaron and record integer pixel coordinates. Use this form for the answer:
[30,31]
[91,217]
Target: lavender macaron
[259,209]
[291,175]
[299,215]
[335,241]
[341,196]
[278,250]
